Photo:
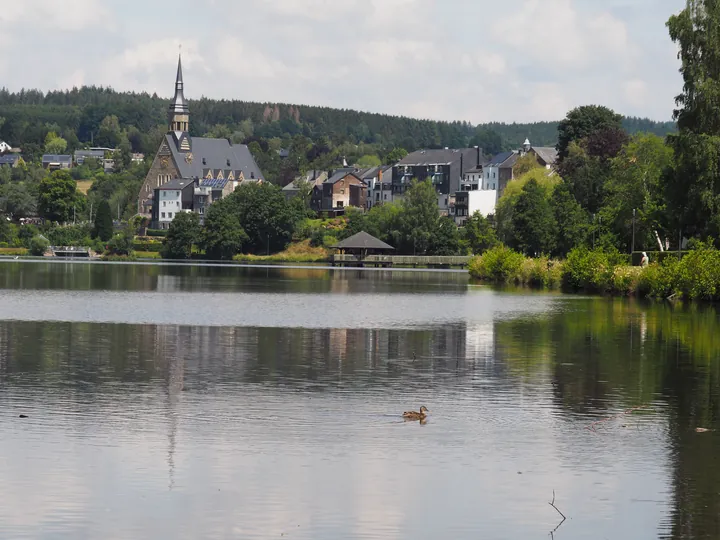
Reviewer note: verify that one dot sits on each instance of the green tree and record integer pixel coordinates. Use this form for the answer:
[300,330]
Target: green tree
[123,156]
[478,234]
[446,240]
[109,133]
[693,185]
[488,139]
[395,155]
[222,237]
[636,184]
[57,196]
[38,246]
[419,218]
[55,144]
[581,122]
[184,232]
[525,164]
[103,226]
[368,161]
[534,224]
[570,218]
[265,215]
[121,244]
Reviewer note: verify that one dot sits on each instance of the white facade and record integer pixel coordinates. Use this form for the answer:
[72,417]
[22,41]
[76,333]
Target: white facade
[491,178]
[4,147]
[170,205]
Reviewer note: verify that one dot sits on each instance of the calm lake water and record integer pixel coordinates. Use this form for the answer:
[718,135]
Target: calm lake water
[186,402]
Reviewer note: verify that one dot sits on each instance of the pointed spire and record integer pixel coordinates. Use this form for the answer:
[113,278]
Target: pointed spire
[179,103]
[179,112]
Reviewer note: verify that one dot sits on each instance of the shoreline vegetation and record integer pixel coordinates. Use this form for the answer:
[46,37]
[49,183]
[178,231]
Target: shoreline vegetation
[693,276]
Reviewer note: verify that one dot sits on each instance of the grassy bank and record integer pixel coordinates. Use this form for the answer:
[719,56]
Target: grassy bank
[301,252]
[695,277]
[13,252]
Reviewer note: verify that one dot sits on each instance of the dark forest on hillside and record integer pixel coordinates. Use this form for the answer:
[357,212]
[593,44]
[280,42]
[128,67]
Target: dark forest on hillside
[77,115]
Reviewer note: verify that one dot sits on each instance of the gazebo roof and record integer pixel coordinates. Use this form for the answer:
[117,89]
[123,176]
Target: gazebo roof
[363,240]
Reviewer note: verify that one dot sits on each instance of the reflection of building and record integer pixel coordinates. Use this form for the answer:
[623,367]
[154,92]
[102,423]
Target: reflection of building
[480,341]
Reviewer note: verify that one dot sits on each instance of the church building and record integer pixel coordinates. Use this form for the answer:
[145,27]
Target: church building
[194,158]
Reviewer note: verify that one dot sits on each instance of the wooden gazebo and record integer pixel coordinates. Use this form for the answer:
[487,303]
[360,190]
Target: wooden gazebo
[362,245]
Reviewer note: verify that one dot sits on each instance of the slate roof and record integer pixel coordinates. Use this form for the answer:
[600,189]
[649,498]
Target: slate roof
[9,159]
[501,158]
[54,158]
[547,153]
[438,157]
[176,184]
[340,174]
[216,153]
[319,178]
[363,240]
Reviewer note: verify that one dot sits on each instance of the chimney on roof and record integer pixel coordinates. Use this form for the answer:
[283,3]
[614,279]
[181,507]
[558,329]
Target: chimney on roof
[477,148]
[462,166]
[228,162]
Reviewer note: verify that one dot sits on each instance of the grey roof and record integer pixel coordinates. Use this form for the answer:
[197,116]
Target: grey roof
[176,184]
[363,240]
[315,178]
[340,174]
[9,159]
[475,169]
[179,104]
[54,158]
[90,153]
[216,153]
[436,157]
[548,154]
[501,158]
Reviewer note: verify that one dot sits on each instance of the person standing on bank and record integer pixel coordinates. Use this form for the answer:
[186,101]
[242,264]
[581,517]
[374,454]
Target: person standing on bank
[645,260]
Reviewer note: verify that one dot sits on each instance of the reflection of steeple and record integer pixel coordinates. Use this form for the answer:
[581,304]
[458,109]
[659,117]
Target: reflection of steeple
[175,384]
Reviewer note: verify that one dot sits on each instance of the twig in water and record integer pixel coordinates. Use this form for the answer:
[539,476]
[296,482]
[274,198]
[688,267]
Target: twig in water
[552,533]
[556,508]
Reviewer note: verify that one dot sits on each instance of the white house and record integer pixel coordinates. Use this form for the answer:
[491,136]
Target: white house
[4,147]
[170,199]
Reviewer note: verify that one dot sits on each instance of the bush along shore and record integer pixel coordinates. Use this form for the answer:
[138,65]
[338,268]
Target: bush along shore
[695,276]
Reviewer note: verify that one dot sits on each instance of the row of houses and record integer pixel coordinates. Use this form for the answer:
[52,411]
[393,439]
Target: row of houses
[466,181]
[12,157]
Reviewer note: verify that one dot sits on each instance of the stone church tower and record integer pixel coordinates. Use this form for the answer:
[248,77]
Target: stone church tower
[212,163]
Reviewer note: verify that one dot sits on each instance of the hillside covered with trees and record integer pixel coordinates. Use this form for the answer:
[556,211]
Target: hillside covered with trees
[80,116]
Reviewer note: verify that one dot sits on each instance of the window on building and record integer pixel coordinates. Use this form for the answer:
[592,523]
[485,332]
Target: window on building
[164,203]
[340,204]
[342,192]
[169,215]
[493,175]
[386,196]
[163,215]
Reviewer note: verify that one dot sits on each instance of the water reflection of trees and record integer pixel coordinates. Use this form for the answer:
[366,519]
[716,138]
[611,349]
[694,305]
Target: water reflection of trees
[593,355]
[189,278]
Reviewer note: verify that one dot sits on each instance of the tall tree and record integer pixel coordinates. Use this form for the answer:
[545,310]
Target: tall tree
[533,221]
[55,144]
[184,232]
[265,216]
[479,234]
[693,186]
[57,196]
[636,184]
[103,226]
[222,236]
[583,121]
[570,219]
[419,218]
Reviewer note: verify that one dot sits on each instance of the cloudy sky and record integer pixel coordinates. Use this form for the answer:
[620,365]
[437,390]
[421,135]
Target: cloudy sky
[474,60]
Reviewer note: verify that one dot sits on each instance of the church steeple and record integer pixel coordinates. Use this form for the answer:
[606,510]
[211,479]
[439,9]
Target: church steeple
[179,112]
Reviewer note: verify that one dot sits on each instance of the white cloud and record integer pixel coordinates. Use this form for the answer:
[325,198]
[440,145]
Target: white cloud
[71,16]
[456,60]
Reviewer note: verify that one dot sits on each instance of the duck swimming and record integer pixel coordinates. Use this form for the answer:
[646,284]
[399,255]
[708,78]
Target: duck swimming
[414,415]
